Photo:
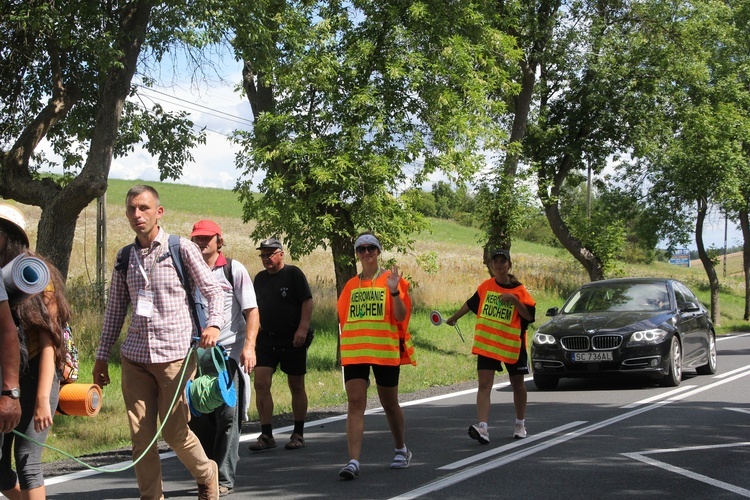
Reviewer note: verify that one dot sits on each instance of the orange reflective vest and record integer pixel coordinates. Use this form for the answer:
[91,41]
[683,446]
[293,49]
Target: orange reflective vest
[498,330]
[369,332]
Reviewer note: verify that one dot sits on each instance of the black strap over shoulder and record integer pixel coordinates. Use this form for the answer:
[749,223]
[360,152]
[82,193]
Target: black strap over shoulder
[228,272]
[199,316]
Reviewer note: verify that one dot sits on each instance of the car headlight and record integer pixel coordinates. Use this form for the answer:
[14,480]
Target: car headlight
[543,339]
[653,336]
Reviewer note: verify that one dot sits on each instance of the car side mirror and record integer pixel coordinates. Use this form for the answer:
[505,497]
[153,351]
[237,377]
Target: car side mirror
[552,311]
[690,307]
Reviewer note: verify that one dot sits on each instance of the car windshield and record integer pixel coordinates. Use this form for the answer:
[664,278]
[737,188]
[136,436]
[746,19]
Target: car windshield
[619,297]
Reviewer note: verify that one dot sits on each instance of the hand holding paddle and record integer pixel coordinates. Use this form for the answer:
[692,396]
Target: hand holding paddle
[437,319]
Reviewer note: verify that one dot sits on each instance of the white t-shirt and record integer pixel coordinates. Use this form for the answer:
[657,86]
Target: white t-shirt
[236,301]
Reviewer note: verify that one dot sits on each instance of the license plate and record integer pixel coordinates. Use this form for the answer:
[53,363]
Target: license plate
[592,357]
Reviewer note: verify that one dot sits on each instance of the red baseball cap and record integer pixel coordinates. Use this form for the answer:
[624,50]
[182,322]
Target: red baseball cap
[205,228]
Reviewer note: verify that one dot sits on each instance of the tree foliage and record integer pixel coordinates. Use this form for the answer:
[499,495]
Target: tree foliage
[355,101]
[66,70]
[698,156]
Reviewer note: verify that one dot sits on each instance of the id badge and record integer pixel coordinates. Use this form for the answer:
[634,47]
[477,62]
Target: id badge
[145,305]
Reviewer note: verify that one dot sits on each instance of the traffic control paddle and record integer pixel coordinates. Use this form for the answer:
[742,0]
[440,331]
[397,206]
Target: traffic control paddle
[437,319]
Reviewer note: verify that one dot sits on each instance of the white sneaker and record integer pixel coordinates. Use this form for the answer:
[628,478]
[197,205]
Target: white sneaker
[401,460]
[519,432]
[480,433]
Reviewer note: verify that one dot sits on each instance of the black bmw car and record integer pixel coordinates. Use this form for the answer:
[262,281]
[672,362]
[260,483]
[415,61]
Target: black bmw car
[643,326]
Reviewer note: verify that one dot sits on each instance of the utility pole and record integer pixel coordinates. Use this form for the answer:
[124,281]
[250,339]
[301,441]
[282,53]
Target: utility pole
[101,245]
[726,223]
[588,191]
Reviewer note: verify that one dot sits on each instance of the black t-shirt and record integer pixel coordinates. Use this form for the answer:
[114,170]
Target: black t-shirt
[280,297]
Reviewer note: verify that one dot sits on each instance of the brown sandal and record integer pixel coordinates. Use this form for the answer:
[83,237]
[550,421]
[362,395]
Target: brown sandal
[264,443]
[295,442]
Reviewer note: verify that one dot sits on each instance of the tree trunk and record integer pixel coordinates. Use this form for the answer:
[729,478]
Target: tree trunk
[500,219]
[548,191]
[590,262]
[708,265]
[61,206]
[745,226]
[345,267]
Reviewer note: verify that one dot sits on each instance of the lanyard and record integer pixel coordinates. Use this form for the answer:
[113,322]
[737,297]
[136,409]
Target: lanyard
[374,277]
[143,271]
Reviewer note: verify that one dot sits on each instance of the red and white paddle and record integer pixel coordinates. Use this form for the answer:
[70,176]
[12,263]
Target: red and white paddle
[437,319]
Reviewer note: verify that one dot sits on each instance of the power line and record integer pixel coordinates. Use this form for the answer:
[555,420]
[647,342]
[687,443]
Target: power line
[195,126]
[192,106]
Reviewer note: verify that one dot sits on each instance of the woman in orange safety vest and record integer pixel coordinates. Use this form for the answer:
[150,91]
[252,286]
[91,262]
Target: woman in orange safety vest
[374,310]
[504,309]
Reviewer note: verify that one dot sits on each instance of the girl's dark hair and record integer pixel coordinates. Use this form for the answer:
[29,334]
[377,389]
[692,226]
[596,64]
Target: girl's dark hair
[16,245]
[513,280]
[35,315]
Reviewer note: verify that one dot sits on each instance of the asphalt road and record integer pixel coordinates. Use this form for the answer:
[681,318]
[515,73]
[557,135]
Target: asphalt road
[588,439]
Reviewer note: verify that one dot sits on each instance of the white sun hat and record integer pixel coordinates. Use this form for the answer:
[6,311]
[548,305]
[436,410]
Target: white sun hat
[14,216]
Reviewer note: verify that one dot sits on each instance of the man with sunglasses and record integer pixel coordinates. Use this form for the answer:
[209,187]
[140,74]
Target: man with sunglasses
[285,306]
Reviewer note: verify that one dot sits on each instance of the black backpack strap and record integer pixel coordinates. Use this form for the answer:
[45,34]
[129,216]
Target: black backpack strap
[196,307]
[123,261]
[228,272]
[123,258]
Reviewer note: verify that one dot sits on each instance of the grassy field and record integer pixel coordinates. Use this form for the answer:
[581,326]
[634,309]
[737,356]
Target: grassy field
[726,266]
[444,267]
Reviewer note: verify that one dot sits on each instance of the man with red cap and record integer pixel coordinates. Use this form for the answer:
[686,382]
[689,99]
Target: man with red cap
[219,431]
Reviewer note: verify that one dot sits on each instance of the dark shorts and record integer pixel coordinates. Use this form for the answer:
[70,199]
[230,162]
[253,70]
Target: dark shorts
[273,353]
[385,376]
[520,367]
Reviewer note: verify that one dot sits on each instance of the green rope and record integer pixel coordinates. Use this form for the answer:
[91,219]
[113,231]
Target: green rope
[205,395]
[153,441]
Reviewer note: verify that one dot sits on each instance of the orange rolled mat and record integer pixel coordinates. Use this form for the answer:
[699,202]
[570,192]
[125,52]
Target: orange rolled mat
[80,400]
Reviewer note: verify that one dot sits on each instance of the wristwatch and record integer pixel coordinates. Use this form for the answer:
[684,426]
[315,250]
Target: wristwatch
[14,393]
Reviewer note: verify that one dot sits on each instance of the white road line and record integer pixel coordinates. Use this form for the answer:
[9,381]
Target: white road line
[730,373]
[461,476]
[690,474]
[252,436]
[741,410]
[691,448]
[659,396]
[508,447]
[730,337]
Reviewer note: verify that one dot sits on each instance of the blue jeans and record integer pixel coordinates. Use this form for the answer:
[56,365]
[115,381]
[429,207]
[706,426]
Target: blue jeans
[219,431]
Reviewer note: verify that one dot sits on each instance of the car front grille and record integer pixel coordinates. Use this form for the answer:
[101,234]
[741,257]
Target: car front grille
[606,341]
[578,343]
[583,343]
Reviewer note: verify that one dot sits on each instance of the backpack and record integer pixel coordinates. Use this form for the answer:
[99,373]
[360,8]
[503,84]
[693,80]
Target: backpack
[70,365]
[198,312]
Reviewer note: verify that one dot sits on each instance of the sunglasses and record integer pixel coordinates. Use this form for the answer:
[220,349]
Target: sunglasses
[267,255]
[368,248]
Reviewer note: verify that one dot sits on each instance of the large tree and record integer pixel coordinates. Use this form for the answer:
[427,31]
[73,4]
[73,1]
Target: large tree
[587,110]
[533,26]
[66,69]
[353,101]
[702,156]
